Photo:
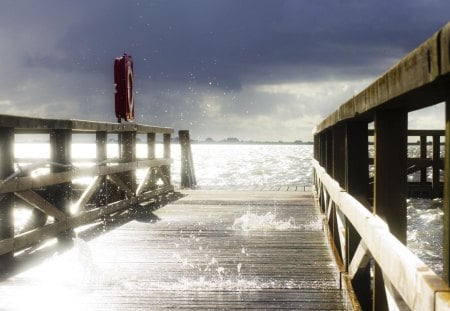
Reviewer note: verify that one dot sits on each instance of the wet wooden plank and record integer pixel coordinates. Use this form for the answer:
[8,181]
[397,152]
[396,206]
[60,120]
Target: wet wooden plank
[209,250]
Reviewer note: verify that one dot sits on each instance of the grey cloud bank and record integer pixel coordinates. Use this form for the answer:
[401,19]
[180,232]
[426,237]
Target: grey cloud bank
[262,70]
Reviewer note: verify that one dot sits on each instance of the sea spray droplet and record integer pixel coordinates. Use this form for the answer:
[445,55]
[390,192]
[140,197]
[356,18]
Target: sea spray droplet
[250,221]
[220,270]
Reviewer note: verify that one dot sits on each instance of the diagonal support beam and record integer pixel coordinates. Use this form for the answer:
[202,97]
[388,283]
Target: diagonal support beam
[89,192]
[159,173]
[121,184]
[41,204]
[360,259]
[144,182]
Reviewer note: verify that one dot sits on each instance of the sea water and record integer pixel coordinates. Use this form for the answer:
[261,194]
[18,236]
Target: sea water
[222,166]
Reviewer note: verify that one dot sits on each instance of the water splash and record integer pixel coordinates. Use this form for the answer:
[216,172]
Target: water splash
[90,273]
[251,222]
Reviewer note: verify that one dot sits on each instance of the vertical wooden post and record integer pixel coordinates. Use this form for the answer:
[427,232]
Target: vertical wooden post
[151,154]
[390,170]
[329,152]
[446,206]
[357,160]
[166,169]
[338,173]
[339,154]
[322,149]
[435,185]
[6,203]
[317,147]
[390,184]
[60,154]
[356,184]
[151,140]
[128,154]
[101,142]
[423,155]
[187,164]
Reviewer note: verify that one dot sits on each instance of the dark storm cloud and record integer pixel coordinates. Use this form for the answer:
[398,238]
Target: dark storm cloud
[187,53]
[221,41]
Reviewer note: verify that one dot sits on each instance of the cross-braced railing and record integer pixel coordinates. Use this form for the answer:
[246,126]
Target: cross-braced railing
[58,204]
[407,280]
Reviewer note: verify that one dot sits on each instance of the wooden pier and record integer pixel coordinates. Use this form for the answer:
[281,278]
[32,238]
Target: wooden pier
[340,246]
[196,253]
[367,215]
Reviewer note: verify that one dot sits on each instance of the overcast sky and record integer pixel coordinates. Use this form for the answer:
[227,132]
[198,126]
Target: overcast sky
[253,69]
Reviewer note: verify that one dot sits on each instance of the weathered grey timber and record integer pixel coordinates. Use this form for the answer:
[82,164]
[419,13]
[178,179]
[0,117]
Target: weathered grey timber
[407,280]
[188,179]
[187,255]
[113,186]
[419,80]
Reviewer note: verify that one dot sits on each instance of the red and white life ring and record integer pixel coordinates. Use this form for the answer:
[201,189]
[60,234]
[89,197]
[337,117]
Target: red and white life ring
[123,78]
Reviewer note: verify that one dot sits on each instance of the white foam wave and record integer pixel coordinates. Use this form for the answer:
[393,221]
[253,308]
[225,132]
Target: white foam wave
[252,222]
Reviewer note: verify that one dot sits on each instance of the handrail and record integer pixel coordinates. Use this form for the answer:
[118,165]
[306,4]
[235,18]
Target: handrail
[113,186]
[415,281]
[425,70]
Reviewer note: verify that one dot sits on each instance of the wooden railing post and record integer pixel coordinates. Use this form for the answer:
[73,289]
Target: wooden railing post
[329,152]
[338,172]
[356,184]
[435,185]
[390,170]
[187,164]
[323,149]
[339,154]
[60,154]
[6,201]
[390,182]
[151,154]
[423,155]
[317,147]
[128,154]
[166,168]
[446,207]
[101,142]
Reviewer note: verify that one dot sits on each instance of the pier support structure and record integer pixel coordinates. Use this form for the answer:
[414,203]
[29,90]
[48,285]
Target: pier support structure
[60,155]
[446,207]
[187,164]
[6,200]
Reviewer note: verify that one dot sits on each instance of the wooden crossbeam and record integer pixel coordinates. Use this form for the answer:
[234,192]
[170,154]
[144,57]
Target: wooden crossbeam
[340,220]
[159,173]
[144,182]
[30,238]
[41,204]
[89,192]
[393,298]
[26,183]
[119,183]
[360,259]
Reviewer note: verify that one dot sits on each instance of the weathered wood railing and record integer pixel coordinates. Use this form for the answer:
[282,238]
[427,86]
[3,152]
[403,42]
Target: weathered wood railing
[359,235]
[113,187]
[363,227]
[421,186]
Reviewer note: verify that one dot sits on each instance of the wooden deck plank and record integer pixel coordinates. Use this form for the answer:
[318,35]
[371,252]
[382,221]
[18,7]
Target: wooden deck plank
[194,253]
